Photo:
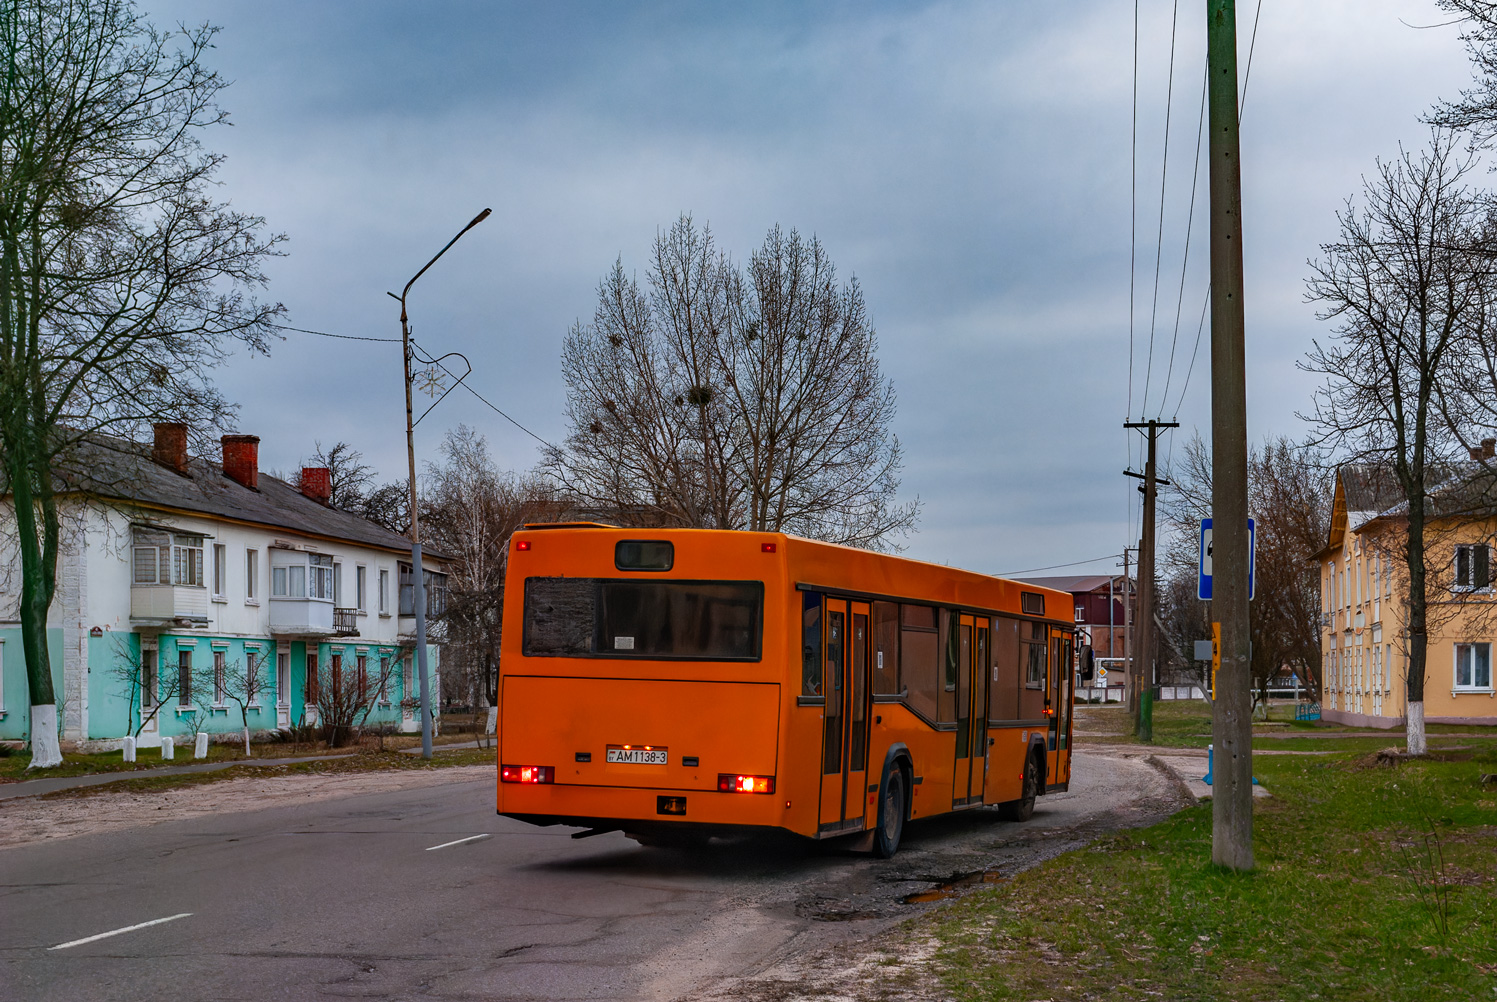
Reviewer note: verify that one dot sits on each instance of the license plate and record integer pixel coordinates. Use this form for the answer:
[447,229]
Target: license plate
[637,756]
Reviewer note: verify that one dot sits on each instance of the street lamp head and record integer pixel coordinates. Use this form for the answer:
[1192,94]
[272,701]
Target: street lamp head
[479,218]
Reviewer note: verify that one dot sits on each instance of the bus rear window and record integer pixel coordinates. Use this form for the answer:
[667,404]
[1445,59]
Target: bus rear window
[610,618]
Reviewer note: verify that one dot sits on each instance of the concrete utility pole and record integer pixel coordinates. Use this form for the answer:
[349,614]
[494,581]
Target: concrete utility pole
[1143,707]
[1232,732]
[418,575]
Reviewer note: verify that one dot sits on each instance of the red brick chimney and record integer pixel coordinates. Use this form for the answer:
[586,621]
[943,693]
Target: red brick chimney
[170,447]
[317,483]
[242,459]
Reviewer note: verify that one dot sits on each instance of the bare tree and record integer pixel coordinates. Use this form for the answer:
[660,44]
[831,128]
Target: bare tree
[139,679]
[350,478]
[243,683]
[1410,288]
[348,693]
[717,398]
[1289,495]
[122,282]
[1475,112]
[470,510]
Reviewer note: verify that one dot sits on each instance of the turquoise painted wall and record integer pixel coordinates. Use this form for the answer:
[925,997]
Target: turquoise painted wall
[17,707]
[109,706]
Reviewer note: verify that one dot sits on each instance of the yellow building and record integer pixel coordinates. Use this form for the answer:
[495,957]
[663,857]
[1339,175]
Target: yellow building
[1364,608]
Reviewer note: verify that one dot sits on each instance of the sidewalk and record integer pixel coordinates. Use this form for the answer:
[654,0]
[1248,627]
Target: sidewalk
[37,787]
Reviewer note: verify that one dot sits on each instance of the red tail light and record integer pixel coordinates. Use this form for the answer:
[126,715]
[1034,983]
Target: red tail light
[522,545]
[767,547]
[744,784]
[526,774]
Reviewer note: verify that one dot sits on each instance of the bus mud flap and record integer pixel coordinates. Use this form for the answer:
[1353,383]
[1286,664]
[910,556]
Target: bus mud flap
[595,831]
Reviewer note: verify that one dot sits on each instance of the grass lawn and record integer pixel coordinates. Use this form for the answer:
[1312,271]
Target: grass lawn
[1373,882]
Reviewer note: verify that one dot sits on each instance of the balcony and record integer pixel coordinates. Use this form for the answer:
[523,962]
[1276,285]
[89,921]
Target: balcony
[345,622]
[165,604]
[301,617]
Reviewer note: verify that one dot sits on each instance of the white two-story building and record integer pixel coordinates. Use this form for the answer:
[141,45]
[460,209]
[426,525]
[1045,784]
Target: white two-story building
[184,569]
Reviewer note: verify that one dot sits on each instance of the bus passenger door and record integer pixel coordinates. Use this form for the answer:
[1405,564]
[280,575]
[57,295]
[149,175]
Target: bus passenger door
[971,711]
[844,748]
[856,714]
[1058,702]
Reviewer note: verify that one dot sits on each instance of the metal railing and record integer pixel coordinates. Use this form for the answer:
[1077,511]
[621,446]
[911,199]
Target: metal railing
[346,622]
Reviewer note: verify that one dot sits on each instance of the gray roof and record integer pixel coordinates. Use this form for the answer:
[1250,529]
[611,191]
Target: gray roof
[122,470]
[1073,583]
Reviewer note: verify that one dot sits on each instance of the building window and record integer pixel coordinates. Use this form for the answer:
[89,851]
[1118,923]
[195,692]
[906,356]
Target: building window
[384,591]
[220,569]
[2,676]
[251,575]
[312,689]
[167,558]
[436,592]
[283,678]
[320,584]
[1472,567]
[148,663]
[337,584]
[363,678]
[360,579]
[384,680]
[1081,614]
[218,678]
[184,676]
[1473,666]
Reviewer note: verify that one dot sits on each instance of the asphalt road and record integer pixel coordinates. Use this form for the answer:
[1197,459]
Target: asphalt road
[348,899]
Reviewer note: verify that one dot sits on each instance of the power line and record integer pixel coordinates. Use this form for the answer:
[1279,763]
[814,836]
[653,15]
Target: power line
[1133,208]
[1053,567]
[1164,164]
[483,400]
[340,337]
[438,364]
[1195,177]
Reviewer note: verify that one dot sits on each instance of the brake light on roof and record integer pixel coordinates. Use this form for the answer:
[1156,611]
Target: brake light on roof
[727,783]
[767,547]
[522,545]
[527,774]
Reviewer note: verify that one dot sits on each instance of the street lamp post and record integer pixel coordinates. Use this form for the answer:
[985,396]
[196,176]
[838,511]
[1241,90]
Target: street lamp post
[418,578]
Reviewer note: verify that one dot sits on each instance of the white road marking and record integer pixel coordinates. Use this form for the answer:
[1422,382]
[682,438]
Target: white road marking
[470,838]
[116,932]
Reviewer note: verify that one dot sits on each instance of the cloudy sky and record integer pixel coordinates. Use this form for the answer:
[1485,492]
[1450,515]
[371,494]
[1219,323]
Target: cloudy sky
[969,162]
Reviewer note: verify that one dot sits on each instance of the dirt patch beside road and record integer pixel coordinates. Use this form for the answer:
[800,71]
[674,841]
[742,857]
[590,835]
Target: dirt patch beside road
[31,819]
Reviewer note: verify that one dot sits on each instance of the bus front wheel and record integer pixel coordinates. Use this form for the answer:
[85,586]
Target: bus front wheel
[1023,808]
[892,802]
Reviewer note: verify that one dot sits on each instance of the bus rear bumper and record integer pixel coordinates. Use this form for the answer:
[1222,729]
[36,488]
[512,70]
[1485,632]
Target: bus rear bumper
[629,808]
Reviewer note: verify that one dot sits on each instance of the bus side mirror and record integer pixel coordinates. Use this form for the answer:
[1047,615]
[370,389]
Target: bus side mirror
[1088,664]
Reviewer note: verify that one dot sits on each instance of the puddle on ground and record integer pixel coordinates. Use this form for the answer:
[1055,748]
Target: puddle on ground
[955,886]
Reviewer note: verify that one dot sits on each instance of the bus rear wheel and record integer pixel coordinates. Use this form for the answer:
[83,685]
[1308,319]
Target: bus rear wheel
[891,811]
[1023,808]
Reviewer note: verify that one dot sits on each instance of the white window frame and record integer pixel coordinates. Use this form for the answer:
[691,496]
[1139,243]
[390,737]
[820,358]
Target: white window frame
[320,585]
[338,584]
[384,591]
[1455,676]
[220,670]
[187,561]
[283,676]
[251,577]
[384,680]
[1468,550]
[361,588]
[220,572]
[2,679]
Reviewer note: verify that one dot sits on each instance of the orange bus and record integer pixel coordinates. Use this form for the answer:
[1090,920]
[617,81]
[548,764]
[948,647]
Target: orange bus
[675,683]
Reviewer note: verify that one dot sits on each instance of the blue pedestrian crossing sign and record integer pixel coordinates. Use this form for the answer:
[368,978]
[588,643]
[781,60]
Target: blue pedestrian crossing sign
[1203,577]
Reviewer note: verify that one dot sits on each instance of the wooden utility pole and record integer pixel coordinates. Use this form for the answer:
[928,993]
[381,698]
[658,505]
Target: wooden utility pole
[1127,632]
[1232,733]
[1148,643]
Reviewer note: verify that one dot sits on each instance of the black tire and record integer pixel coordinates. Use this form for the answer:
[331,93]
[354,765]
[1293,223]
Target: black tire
[1023,808]
[893,803]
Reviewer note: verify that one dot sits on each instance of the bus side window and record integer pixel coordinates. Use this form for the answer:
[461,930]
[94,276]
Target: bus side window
[1003,692]
[1036,666]
[946,711]
[886,648]
[811,645]
[919,652]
